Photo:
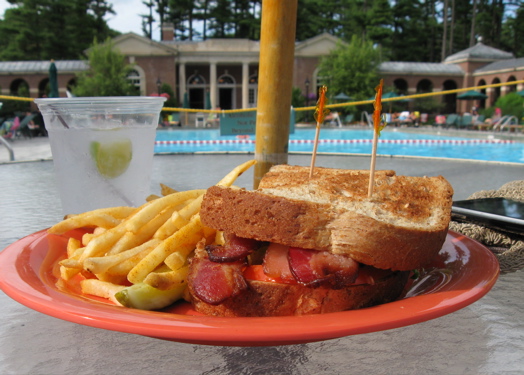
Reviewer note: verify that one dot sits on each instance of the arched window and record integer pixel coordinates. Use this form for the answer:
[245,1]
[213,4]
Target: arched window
[226,91]
[424,85]
[19,87]
[482,102]
[322,78]
[401,86]
[196,85]
[196,79]
[511,88]
[71,84]
[226,79]
[134,78]
[496,91]
[43,88]
[450,100]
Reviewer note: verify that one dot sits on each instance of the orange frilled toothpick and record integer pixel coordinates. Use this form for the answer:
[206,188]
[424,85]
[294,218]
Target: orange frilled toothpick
[320,113]
[378,125]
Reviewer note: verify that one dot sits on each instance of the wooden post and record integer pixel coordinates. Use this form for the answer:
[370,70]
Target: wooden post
[275,81]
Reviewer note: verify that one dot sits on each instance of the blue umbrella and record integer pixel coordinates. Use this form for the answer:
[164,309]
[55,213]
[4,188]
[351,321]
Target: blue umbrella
[53,81]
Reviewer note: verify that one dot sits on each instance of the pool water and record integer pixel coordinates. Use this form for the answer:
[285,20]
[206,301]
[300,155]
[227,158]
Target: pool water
[391,143]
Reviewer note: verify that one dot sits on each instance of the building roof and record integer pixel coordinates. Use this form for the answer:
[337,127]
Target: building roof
[478,52]
[20,67]
[423,68]
[497,66]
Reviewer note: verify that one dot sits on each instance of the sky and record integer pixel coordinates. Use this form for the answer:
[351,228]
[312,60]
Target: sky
[126,19]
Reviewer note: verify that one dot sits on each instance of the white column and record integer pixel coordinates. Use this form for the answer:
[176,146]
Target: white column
[213,84]
[245,85]
[181,81]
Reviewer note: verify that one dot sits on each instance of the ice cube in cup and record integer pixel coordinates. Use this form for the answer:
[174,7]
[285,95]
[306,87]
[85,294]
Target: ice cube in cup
[102,149]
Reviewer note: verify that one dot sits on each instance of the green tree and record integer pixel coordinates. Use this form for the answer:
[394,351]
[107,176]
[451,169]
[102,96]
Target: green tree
[245,21]
[297,101]
[148,19]
[52,29]
[167,89]
[513,33]
[221,22]
[352,69]
[12,107]
[511,104]
[182,15]
[107,73]
[410,35]
[308,23]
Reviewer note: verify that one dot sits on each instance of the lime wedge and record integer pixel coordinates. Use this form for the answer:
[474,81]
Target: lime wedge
[112,159]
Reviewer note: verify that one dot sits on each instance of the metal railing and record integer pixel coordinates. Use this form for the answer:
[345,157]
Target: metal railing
[9,148]
[366,118]
[505,121]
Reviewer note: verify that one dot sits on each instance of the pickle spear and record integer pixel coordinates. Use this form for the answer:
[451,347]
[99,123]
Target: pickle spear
[144,297]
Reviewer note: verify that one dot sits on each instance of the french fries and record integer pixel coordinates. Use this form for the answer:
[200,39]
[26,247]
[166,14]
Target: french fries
[147,247]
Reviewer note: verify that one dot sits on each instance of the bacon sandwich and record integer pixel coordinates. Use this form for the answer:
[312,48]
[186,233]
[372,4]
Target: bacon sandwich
[299,245]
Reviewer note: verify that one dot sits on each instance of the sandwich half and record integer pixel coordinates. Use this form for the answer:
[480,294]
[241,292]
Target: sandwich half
[300,245]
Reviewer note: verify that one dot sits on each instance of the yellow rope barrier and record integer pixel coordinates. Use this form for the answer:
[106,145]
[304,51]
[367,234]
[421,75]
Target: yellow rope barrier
[17,98]
[415,96]
[312,108]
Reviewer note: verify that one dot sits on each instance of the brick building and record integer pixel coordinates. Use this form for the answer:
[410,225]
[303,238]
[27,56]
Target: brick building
[226,71]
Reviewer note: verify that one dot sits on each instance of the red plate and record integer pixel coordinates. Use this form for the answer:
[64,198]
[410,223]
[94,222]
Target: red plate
[463,272]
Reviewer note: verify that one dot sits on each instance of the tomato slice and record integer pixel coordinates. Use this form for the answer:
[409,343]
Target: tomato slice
[276,263]
[256,273]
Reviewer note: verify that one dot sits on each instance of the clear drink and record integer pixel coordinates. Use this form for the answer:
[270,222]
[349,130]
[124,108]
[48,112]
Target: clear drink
[102,149]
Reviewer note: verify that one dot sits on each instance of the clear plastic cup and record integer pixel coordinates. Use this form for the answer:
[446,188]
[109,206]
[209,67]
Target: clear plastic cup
[102,149]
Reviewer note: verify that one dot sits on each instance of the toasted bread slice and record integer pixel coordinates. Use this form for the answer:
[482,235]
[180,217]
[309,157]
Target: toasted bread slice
[272,299]
[401,227]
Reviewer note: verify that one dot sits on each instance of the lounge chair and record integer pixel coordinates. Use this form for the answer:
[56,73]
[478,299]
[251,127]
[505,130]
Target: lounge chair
[440,120]
[26,129]
[514,127]
[479,119]
[5,125]
[465,122]
[487,124]
[200,120]
[451,120]
[512,124]
[506,122]
[13,129]
[333,119]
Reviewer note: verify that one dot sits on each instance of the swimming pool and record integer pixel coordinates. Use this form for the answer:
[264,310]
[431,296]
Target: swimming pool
[345,141]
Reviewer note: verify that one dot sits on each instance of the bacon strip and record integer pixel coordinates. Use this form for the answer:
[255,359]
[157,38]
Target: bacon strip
[215,282]
[234,249]
[313,268]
